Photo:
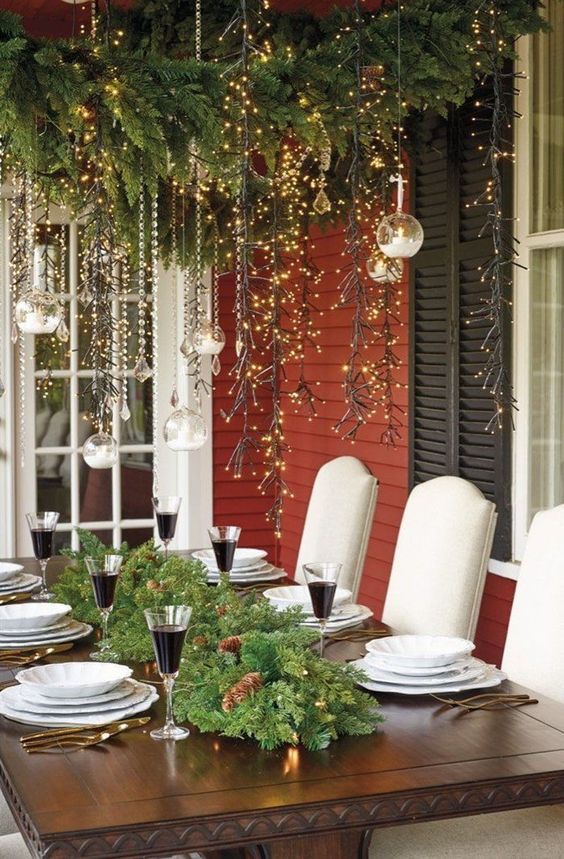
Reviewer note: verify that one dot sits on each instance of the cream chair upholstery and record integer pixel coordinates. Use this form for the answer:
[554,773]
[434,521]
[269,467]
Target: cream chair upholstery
[441,558]
[534,636]
[339,519]
[13,847]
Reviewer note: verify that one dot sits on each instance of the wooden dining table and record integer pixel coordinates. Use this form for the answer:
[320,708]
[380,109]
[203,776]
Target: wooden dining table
[221,798]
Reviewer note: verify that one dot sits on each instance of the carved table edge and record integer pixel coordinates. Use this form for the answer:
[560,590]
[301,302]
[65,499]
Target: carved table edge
[408,806]
[26,827]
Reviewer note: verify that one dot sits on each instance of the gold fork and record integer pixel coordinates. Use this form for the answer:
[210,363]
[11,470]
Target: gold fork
[88,730]
[20,658]
[81,742]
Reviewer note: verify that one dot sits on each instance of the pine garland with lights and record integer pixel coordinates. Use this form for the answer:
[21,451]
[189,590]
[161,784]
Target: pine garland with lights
[247,669]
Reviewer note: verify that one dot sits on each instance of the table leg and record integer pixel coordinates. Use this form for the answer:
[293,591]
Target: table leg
[329,845]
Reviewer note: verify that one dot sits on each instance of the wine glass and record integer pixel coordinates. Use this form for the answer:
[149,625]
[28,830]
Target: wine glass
[104,574]
[42,528]
[321,580]
[168,625]
[224,540]
[166,510]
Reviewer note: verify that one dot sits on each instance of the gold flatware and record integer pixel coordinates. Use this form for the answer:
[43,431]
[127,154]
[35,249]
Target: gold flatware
[20,658]
[357,635]
[6,599]
[78,729]
[83,742]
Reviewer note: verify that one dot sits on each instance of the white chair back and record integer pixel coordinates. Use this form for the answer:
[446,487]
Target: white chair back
[441,558]
[535,636]
[339,519]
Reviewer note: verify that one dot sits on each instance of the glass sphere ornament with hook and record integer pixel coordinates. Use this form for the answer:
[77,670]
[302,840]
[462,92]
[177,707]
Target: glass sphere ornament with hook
[38,312]
[100,451]
[185,429]
[208,338]
[399,235]
[384,269]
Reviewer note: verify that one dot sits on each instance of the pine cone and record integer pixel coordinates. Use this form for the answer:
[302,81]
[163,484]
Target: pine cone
[247,685]
[200,640]
[153,585]
[231,644]
[220,610]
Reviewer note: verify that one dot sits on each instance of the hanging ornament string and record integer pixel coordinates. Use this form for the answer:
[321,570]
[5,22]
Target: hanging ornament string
[124,411]
[155,333]
[142,370]
[2,320]
[174,399]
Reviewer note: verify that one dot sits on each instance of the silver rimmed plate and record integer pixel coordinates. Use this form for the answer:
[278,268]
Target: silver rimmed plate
[461,675]
[357,614]
[20,584]
[243,557]
[60,626]
[138,692]
[403,674]
[271,575]
[490,677]
[70,721]
[77,630]
[123,690]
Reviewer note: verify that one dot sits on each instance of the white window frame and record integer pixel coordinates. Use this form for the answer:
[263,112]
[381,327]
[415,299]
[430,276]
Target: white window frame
[528,242]
[186,474]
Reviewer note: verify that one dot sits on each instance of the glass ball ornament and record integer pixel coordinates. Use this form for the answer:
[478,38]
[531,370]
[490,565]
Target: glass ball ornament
[38,312]
[384,269]
[399,235]
[208,339]
[100,451]
[185,429]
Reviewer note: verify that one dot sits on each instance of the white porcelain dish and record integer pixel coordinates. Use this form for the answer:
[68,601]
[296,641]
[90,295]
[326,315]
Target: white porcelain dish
[76,631]
[288,596]
[252,568]
[361,614]
[58,707]
[249,579]
[122,690]
[64,624]
[74,679]
[9,571]
[403,673]
[71,628]
[491,677]
[20,583]
[76,720]
[31,616]
[420,651]
[243,557]
[462,675]
[242,572]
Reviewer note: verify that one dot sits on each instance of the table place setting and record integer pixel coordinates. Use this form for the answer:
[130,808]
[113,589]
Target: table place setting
[15,583]
[246,566]
[75,694]
[423,665]
[37,625]
[343,613]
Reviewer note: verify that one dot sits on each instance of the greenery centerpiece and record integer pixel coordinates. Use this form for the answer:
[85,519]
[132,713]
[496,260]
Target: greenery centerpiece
[247,669]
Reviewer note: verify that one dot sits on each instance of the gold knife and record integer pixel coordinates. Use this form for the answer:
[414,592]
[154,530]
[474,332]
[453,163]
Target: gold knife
[60,732]
[77,741]
[44,650]
[9,598]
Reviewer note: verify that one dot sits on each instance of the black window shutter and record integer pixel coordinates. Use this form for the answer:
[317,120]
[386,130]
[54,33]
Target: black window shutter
[449,408]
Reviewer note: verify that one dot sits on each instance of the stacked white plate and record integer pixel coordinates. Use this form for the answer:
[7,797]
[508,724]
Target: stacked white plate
[344,614]
[249,566]
[13,580]
[36,624]
[424,664]
[75,693]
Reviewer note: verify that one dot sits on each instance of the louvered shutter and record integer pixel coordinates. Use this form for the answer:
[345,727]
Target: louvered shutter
[449,409]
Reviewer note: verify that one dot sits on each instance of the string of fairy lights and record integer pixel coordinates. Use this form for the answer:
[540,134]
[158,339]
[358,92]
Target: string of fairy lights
[266,241]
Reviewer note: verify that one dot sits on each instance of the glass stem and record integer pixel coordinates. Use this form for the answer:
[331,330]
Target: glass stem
[166,542]
[105,615]
[169,686]
[322,624]
[43,566]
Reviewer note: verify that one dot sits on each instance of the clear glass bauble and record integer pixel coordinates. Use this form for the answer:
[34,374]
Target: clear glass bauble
[209,339]
[185,430]
[384,269]
[399,235]
[38,312]
[100,450]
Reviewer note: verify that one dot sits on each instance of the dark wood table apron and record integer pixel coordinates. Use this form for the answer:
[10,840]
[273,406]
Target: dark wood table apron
[225,799]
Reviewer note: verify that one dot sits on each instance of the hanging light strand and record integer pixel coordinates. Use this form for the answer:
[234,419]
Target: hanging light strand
[155,333]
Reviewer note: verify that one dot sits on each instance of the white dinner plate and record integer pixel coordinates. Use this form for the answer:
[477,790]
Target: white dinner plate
[70,721]
[490,677]
[252,568]
[421,651]
[121,691]
[31,617]
[79,630]
[25,582]
[51,635]
[243,557]
[362,614]
[462,675]
[59,706]
[271,576]
[9,570]
[404,673]
[61,625]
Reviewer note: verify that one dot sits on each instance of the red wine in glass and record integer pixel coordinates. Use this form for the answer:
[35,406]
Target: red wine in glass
[322,595]
[321,578]
[166,511]
[104,586]
[166,523]
[104,573]
[168,641]
[42,539]
[224,551]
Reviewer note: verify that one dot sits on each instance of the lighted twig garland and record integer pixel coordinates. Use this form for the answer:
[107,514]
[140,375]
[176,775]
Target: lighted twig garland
[303,397]
[386,367]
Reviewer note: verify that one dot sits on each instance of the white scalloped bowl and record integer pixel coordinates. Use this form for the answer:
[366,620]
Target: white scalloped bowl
[74,679]
[8,571]
[289,596]
[420,651]
[243,557]
[16,618]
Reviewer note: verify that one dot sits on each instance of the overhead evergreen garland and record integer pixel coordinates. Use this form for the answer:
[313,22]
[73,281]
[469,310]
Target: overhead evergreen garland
[247,669]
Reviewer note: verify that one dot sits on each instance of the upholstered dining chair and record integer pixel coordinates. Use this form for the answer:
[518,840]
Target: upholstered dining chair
[339,519]
[440,563]
[533,658]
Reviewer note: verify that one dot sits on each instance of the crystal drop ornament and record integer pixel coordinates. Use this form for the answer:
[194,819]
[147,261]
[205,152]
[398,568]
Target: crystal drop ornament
[124,412]
[384,269]
[187,347]
[185,429]
[322,203]
[174,398]
[85,297]
[142,370]
[38,312]
[238,346]
[216,365]
[100,451]
[62,334]
[399,235]
[209,339]
[14,334]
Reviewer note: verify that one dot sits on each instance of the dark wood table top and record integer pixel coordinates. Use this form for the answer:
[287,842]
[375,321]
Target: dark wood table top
[135,797]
